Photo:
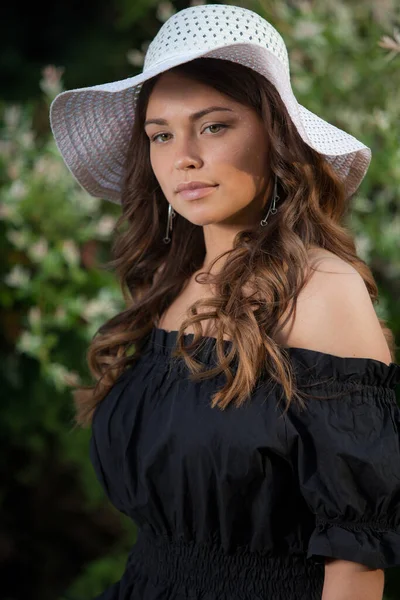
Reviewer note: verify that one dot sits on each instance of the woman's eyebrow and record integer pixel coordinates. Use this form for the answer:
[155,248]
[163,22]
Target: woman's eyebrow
[192,117]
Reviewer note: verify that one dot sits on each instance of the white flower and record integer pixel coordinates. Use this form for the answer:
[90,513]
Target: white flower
[381,119]
[305,30]
[17,190]
[60,314]
[363,204]
[12,116]
[363,246]
[14,169]
[105,225]
[52,169]
[104,306]
[70,252]
[18,237]
[7,211]
[345,22]
[34,316]
[392,44]
[348,77]
[135,57]
[82,201]
[27,140]
[355,119]
[38,250]
[18,277]
[302,84]
[72,378]
[392,231]
[58,375]
[6,147]
[29,343]
[41,165]
[165,10]
[95,308]
[51,80]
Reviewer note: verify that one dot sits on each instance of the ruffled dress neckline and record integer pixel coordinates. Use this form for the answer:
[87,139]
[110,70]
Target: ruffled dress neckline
[319,365]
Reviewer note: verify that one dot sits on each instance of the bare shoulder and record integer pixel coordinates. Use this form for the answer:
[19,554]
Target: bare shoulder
[326,261]
[335,314]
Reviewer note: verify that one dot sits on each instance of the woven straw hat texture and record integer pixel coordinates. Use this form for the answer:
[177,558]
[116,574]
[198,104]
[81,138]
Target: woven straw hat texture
[92,126]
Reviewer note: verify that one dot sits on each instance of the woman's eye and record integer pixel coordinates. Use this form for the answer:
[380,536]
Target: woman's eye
[216,125]
[155,137]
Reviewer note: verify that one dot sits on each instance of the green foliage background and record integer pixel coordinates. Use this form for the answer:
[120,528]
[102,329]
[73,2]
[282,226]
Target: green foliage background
[55,291]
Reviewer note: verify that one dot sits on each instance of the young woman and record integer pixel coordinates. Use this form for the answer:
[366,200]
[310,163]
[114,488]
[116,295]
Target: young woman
[243,289]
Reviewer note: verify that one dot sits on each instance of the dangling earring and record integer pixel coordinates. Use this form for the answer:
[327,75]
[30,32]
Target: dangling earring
[171,215]
[272,208]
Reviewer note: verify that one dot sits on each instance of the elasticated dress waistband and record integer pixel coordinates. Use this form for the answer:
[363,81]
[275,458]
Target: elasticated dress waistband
[205,567]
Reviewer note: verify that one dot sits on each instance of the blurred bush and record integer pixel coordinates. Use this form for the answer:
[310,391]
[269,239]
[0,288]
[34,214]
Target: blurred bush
[57,527]
[345,67]
[54,294]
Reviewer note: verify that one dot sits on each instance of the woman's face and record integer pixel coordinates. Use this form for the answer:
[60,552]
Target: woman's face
[225,148]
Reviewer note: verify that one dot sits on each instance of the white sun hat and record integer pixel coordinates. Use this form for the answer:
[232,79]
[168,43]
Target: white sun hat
[92,125]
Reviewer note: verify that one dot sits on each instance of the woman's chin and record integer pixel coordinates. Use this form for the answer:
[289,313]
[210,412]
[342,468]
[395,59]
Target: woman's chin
[204,216]
[203,221]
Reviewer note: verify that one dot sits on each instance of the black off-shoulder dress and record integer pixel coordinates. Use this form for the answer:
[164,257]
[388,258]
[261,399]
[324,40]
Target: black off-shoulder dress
[245,504]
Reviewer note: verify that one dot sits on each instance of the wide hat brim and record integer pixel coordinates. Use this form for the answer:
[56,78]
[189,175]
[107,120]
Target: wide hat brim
[92,126]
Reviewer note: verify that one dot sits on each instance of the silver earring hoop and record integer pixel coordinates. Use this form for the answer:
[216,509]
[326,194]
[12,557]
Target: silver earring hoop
[171,215]
[272,209]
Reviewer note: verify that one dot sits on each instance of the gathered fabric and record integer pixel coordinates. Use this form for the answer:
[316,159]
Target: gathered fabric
[246,503]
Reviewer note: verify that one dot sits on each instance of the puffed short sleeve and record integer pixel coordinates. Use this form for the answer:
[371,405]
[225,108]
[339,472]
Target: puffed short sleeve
[345,457]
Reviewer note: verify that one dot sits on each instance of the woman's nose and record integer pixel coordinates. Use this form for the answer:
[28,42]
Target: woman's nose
[187,154]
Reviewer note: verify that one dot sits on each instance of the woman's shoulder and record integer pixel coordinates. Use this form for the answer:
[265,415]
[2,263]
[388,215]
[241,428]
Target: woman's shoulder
[334,313]
[326,260]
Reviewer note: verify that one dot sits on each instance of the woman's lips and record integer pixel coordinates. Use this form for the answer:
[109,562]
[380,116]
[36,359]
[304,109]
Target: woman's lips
[197,193]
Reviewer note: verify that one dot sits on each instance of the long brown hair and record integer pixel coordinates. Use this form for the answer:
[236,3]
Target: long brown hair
[262,274]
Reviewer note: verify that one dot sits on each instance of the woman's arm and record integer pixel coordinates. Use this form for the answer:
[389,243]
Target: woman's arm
[346,580]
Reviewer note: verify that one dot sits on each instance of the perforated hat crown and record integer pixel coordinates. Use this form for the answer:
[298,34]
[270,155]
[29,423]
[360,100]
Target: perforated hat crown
[92,126]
